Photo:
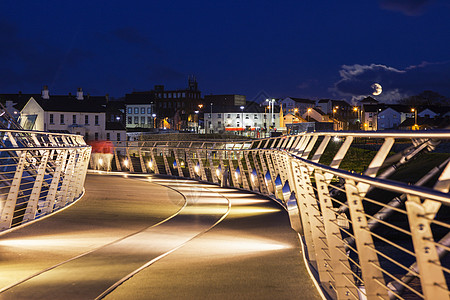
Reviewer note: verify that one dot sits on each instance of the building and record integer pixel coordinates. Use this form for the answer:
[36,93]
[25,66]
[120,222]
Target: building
[170,109]
[224,100]
[140,112]
[296,105]
[78,114]
[251,120]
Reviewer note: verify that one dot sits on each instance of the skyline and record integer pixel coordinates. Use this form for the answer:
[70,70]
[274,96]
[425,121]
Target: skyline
[321,50]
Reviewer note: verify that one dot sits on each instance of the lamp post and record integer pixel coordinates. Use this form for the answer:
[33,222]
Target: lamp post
[242,112]
[271,104]
[210,118]
[309,110]
[415,118]
[356,110]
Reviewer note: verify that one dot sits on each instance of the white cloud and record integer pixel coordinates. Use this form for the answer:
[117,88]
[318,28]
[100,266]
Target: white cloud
[356,80]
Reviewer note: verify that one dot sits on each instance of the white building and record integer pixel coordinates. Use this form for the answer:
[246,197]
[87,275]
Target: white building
[296,105]
[252,118]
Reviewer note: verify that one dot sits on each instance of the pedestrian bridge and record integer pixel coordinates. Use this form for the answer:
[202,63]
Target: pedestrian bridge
[371,209]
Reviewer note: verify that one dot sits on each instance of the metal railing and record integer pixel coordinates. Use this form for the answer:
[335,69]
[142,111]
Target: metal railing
[40,173]
[371,209]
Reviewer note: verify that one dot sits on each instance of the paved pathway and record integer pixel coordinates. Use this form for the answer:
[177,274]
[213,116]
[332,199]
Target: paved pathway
[141,237]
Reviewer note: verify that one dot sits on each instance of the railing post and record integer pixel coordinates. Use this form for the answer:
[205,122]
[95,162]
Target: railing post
[368,260]
[11,199]
[32,206]
[53,190]
[241,168]
[338,258]
[432,279]
[141,160]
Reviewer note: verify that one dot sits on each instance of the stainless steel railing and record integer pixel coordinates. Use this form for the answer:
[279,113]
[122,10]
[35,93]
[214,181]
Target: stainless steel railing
[40,172]
[372,209]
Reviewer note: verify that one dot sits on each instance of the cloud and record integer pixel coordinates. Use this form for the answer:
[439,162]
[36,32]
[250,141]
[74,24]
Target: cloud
[356,80]
[408,7]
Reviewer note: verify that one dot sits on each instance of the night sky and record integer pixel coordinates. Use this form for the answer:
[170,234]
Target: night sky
[306,49]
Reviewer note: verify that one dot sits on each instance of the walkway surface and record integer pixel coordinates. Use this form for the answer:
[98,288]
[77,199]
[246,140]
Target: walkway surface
[146,237]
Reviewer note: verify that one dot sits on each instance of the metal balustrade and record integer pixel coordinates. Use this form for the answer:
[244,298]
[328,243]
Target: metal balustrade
[40,173]
[371,209]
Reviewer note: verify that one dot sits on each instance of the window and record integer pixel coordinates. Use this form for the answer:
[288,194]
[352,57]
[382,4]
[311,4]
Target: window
[238,116]
[143,110]
[219,123]
[96,120]
[136,110]
[74,119]
[149,120]
[130,110]
[86,120]
[246,116]
[255,124]
[219,115]
[149,110]
[51,119]
[228,115]
[118,136]
[255,117]
[96,136]
[129,121]
[237,124]
[142,120]
[61,119]
[136,120]
[108,135]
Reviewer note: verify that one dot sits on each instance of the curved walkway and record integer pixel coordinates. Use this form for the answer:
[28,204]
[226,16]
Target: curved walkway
[145,237]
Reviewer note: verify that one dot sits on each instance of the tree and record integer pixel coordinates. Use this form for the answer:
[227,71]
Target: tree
[426,98]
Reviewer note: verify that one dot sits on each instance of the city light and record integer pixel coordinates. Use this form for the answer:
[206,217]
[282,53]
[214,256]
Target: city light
[125,163]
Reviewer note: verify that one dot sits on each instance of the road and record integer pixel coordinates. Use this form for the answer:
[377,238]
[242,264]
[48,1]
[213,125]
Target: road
[147,237]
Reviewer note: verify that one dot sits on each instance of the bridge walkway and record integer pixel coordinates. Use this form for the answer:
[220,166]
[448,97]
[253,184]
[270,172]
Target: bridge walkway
[144,237]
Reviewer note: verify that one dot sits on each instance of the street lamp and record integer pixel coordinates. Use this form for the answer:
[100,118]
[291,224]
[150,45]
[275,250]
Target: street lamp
[357,110]
[154,120]
[198,125]
[415,117]
[271,102]
[242,112]
[309,110]
[210,119]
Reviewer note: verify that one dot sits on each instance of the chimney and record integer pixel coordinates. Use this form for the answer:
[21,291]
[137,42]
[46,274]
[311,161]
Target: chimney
[45,94]
[80,94]
[107,98]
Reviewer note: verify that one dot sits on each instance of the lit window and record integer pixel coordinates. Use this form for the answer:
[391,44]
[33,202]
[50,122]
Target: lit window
[136,110]
[143,110]
[130,110]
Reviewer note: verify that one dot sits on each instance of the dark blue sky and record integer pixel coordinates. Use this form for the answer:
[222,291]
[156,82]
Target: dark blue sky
[312,49]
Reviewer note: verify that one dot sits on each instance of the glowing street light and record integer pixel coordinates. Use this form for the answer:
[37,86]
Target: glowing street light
[415,118]
[309,110]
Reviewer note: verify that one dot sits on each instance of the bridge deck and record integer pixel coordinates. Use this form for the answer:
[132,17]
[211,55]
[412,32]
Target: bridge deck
[178,238]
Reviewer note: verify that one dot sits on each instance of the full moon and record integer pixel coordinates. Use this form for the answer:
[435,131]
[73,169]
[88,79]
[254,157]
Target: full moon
[376,89]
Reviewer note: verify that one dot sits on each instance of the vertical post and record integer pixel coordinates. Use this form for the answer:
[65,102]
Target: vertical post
[11,199]
[368,259]
[432,278]
[32,206]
